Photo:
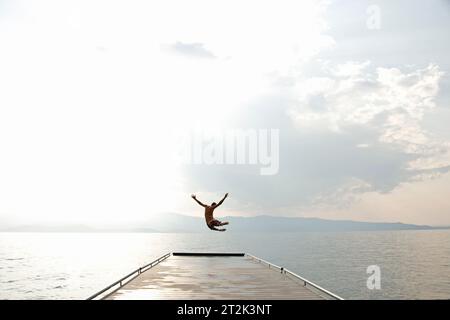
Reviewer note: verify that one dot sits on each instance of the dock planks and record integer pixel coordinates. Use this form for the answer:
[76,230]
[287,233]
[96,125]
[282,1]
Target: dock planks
[212,276]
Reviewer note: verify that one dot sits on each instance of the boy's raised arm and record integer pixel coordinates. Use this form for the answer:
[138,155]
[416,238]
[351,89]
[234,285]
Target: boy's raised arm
[195,198]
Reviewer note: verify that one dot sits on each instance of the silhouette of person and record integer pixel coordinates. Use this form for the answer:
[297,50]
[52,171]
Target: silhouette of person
[209,210]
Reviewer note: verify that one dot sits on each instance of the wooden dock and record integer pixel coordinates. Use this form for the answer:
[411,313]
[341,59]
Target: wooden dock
[193,276]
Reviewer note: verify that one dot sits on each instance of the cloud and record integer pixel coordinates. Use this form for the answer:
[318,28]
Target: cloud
[343,134]
[312,162]
[406,202]
[391,102]
[192,50]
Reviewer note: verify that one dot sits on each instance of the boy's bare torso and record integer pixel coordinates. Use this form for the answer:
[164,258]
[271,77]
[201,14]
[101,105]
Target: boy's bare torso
[209,214]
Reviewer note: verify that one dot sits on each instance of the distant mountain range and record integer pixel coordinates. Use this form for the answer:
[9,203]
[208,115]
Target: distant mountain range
[173,222]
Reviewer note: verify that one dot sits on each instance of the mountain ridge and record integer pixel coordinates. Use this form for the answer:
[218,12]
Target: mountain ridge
[176,222]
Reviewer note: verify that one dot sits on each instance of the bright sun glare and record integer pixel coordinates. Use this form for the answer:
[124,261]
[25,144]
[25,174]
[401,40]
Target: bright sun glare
[103,90]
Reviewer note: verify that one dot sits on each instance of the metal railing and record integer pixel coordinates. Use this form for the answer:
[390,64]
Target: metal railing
[129,276]
[305,281]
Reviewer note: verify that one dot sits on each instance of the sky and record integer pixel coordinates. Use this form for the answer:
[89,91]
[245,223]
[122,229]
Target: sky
[94,96]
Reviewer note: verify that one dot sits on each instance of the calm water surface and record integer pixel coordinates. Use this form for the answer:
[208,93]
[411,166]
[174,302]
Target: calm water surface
[414,264]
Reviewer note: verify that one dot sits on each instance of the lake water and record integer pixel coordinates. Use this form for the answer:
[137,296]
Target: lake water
[413,264]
